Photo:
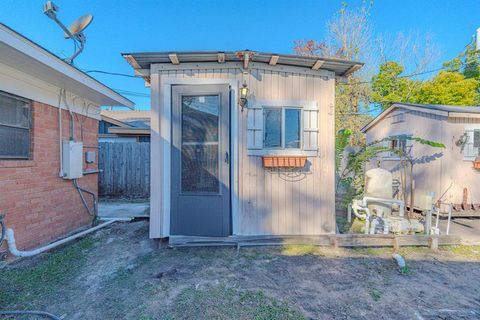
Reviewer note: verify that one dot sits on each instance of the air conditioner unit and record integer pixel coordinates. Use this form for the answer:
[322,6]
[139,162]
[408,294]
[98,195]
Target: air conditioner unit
[72,159]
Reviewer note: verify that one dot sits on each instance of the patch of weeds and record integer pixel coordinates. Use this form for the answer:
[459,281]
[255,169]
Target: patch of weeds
[471,252]
[405,270]
[358,226]
[257,254]
[301,250]
[20,283]
[374,251]
[343,224]
[374,292]
[227,303]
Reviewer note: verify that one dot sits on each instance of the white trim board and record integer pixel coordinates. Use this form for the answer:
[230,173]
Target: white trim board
[161,150]
[20,84]
[18,51]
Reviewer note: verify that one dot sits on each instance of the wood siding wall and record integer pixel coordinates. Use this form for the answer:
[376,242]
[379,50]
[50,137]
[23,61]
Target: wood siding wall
[443,171]
[125,170]
[282,203]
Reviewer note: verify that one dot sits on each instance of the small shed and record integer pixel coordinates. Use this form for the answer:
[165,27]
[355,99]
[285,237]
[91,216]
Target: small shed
[242,143]
[450,173]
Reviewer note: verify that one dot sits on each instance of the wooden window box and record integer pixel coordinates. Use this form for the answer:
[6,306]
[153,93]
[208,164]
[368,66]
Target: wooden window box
[284,161]
[476,164]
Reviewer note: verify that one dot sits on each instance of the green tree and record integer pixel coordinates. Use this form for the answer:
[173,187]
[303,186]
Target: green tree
[388,86]
[451,88]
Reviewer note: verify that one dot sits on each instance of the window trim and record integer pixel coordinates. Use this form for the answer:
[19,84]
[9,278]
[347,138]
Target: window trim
[469,127]
[395,157]
[29,129]
[283,127]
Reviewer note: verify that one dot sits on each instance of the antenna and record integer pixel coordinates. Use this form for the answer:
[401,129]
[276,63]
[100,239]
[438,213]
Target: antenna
[74,32]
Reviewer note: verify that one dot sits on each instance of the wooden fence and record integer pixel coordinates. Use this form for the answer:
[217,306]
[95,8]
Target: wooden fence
[125,170]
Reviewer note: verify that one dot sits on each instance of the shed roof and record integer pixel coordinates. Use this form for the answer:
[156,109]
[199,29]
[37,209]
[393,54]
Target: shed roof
[143,60]
[439,109]
[20,53]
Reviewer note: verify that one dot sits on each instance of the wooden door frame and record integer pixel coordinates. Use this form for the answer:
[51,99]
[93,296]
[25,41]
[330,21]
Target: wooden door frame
[160,178]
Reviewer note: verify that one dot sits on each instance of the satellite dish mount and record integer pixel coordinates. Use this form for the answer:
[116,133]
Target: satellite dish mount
[74,32]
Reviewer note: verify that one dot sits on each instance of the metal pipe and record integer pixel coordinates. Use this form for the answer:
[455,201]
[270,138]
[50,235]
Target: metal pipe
[72,119]
[60,137]
[365,201]
[449,218]
[80,191]
[12,247]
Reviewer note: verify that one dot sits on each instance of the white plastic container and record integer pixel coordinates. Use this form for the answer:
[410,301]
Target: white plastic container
[378,184]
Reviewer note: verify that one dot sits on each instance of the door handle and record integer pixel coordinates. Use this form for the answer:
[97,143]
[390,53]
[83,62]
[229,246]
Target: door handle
[226,158]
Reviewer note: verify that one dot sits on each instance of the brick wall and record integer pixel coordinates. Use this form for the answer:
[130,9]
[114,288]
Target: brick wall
[38,205]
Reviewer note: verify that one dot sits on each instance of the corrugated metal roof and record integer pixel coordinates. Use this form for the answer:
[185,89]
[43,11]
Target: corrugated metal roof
[143,60]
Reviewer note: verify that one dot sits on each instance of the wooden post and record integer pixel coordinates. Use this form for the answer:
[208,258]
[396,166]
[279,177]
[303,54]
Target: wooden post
[396,244]
[433,243]
[334,242]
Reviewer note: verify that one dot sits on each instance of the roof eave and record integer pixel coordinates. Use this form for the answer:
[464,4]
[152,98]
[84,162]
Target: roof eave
[272,59]
[39,56]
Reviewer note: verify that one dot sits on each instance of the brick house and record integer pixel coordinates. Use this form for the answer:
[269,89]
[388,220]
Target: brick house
[36,89]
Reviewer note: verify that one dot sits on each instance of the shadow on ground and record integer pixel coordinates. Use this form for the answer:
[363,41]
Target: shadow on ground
[118,273]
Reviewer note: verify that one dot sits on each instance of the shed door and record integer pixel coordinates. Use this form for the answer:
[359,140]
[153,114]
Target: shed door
[200,201]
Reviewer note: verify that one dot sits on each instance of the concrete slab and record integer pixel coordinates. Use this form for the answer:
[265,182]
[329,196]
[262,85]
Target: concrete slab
[123,209]
[467,229]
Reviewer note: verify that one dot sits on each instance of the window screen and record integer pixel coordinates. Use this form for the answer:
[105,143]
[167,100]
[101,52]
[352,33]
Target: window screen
[273,127]
[14,127]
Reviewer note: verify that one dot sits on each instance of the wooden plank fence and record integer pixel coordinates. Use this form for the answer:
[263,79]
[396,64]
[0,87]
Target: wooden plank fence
[125,170]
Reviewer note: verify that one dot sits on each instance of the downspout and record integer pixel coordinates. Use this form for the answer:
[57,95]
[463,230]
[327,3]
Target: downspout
[12,247]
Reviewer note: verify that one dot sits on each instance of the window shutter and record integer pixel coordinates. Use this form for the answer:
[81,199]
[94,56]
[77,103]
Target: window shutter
[310,129]
[255,127]
[469,150]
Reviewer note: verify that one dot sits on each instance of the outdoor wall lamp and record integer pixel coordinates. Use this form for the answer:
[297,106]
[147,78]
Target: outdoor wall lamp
[243,96]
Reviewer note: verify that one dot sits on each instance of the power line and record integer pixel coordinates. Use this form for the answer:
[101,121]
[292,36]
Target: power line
[113,73]
[132,93]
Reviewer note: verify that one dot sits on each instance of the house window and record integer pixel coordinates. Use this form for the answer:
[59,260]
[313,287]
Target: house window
[471,147]
[15,123]
[282,128]
[401,145]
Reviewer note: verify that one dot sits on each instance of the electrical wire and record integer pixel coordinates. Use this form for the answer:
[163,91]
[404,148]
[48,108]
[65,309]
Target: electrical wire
[113,73]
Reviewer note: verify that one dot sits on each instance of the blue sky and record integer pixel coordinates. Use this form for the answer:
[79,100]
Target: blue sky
[271,26]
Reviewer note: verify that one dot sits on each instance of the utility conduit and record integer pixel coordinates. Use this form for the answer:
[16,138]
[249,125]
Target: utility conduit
[12,247]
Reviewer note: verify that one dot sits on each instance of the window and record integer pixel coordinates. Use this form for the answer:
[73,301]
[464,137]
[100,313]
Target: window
[14,127]
[471,145]
[400,144]
[282,128]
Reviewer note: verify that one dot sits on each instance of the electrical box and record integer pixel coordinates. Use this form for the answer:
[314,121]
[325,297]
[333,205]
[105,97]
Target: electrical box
[90,156]
[72,159]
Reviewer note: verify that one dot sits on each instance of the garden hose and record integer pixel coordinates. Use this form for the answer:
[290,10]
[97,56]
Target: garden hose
[36,313]
[20,312]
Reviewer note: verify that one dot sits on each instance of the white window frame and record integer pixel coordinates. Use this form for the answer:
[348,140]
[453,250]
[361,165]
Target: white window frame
[469,127]
[282,127]
[303,105]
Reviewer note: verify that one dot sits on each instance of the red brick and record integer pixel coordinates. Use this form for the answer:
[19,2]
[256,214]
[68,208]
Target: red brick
[38,205]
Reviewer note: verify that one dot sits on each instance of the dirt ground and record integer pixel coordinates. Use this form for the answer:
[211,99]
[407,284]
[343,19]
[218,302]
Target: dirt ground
[117,273]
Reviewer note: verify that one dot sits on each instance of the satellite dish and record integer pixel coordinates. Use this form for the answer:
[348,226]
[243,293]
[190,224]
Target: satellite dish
[79,25]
